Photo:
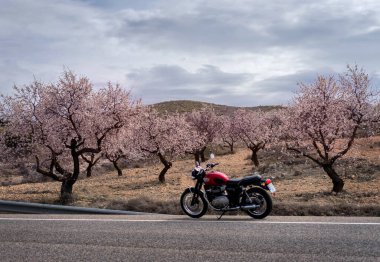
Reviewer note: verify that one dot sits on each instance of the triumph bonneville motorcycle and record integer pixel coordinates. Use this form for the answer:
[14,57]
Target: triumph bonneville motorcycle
[217,191]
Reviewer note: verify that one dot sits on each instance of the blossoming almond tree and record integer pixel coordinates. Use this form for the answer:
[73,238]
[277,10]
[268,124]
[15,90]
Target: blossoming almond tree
[228,133]
[91,159]
[124,144]
[255,129]
[325,116]
[165,136]
[117,146]
[57,123]
[206,126]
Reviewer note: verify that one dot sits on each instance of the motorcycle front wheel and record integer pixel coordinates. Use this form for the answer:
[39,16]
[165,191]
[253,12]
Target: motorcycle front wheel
[260,197]
[194,205]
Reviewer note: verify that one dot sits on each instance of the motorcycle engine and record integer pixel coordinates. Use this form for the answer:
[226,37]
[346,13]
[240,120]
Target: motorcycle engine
[220,202]
[217,196]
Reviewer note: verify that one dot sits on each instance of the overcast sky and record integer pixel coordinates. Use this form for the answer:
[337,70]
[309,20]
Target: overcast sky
[237,52]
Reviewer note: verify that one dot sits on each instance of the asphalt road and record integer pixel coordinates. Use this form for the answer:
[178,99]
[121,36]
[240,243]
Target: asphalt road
[176,238]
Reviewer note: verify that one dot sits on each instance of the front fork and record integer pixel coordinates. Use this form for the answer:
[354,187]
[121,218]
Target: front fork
[195,198]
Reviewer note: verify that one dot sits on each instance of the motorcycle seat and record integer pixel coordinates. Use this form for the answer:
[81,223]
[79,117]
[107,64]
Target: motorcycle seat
[245,181]
[233,182]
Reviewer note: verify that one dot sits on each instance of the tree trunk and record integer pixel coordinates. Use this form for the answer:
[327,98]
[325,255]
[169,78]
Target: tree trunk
[67,185]
[119,171]
[254,157]
[161,176]
[197,157]
[167,165]
[91,163]
[337,181]
[66,191]
[89,170]
[202,153]
[231,148]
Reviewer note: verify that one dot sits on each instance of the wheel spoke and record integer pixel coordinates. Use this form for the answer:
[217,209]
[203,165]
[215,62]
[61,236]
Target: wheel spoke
[193,206]
[258,199]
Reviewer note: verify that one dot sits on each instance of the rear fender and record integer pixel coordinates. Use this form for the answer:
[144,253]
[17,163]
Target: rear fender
[259,183]
[264,183]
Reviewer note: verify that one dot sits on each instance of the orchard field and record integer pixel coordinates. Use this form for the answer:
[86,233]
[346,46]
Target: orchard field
[303,188]
[76,135]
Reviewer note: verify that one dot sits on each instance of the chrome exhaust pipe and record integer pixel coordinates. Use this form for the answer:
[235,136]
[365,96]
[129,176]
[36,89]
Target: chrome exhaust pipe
[249,207]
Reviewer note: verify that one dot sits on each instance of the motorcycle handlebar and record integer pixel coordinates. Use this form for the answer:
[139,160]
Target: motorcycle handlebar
[198,169]
[211,165]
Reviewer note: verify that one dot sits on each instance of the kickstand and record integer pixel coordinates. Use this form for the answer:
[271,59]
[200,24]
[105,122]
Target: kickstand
[224,211]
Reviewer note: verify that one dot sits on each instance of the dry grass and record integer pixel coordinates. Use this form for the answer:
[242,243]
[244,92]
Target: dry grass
[303,188]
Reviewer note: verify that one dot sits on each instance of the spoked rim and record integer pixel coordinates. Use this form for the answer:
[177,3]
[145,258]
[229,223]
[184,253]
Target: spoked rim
[195,209]
[258,199]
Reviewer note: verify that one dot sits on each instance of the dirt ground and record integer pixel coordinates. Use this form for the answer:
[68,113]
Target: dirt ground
[302,187]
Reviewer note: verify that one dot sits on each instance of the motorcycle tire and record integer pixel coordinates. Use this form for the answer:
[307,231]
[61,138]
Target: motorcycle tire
[259,196]
[198,209]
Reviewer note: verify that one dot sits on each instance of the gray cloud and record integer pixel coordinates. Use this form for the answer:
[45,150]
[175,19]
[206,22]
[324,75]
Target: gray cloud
[12,77]
[190,33]
[173,76]
[165,82]
[222,51]
[255,26]
[209,83]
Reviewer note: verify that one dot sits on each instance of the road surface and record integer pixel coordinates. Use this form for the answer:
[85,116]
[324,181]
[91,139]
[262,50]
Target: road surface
[177,238]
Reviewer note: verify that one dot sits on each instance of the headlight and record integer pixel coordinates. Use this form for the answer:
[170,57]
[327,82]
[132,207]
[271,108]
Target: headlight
[194,173]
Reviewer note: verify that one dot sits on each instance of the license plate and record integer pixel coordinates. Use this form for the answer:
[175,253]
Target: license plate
[271,188]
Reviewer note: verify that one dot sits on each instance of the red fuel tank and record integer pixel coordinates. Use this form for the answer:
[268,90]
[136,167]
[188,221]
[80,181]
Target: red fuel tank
[215,178]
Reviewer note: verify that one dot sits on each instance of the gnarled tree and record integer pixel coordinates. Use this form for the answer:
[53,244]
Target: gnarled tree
[255,129]
[228,134]
[206,126]
[58,123]
[91,159]
[124,145]
[324,118]
[165,136]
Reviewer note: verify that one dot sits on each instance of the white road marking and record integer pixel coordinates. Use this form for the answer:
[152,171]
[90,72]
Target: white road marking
[187,221]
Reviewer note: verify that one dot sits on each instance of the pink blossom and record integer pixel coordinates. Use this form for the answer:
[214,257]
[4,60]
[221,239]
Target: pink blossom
[325,116]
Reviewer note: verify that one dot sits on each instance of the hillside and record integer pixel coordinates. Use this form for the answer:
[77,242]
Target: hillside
[183,106]
[303,187]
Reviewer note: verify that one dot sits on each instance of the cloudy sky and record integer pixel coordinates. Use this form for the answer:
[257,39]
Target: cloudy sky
[233,52]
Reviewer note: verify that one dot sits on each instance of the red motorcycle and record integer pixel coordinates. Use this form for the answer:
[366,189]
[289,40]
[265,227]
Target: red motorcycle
[216,190]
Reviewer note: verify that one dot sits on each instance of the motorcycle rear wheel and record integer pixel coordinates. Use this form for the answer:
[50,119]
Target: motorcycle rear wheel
[198,209]
[259,196]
